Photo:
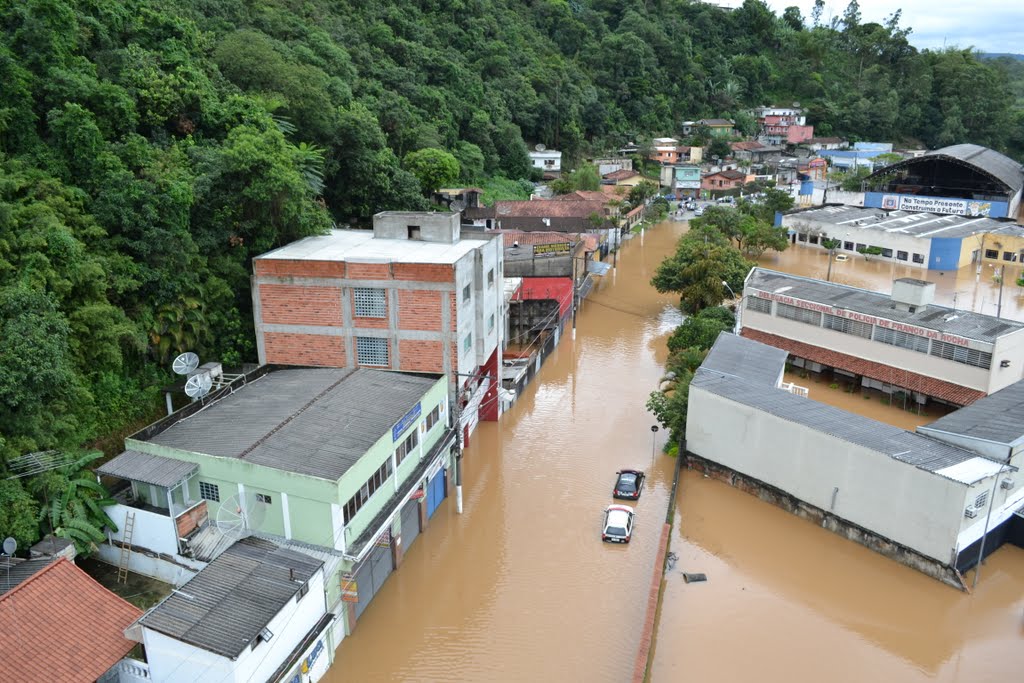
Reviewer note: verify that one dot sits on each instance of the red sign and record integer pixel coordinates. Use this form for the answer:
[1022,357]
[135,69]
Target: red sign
[864,318]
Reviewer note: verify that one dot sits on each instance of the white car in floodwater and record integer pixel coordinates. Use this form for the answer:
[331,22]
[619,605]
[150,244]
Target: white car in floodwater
[618,524]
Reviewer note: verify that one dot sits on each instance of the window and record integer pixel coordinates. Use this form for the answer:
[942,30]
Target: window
[861,247]
[377,480]
[981,500]
[407,446]
[991,253]
[372,351]
[490,323]
[961,354]
[263,498]
[433,417]
[901,255]
[801,237]
[848,246]
[466,294]
[370,302]
[490,277]
[813,239]
[209,492]
[1007,255]
[414,231]
[918,258]
[756,303]
[847,326]
[302,591]
[901,339]
[800,314]
[467,343]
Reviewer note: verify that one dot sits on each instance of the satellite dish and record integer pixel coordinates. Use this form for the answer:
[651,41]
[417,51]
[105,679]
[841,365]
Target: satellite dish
[10,545]
[185,363]
[198,385]
[540,147]
[237,516]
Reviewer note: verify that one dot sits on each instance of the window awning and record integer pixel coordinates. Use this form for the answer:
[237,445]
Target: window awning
[148,469]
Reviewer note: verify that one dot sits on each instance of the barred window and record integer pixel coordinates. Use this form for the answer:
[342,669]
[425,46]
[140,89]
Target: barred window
[372,351]
[370,302]
[209,492]
[847,326]
[903,340]
[918,258]
[902,255]
[433,417]
[759,304]
[799,314]
[375,481]
[264,498]
[981,500]
[407,446]
[961,354]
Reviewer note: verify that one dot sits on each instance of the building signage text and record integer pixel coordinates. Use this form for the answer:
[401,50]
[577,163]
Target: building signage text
[864,318]
[958,207]
[349,588]
[406,421]
[556,248]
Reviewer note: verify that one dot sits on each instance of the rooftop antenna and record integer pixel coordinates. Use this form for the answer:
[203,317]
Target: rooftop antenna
[10,546]
[241,514]
[35,463]
[185,363]
[198,385]
[540,147]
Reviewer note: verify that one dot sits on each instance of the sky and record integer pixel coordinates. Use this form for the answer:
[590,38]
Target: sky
[986,25]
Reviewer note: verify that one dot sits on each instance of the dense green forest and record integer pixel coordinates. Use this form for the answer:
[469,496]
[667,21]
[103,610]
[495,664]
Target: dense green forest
[149,150]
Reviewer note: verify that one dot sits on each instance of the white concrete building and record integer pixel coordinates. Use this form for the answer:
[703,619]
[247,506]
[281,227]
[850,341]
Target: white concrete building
[917,499]
[920,240]
[898,342]
[257,613]
[547,160]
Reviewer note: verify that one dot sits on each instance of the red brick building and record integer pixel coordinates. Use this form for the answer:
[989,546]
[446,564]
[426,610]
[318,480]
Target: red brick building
[415,294]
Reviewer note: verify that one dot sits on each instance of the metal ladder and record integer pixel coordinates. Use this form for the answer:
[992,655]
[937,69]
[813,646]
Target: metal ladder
[126,547]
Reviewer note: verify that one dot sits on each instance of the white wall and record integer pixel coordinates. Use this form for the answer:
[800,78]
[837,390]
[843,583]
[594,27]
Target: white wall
[900,502]
[863,235]
[1010,348]
[151,530]
[905,359]
[1002,504]
[171,660]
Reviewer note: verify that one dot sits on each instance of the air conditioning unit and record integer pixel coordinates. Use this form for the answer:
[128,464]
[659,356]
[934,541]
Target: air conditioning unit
[970,512]
[1006,484]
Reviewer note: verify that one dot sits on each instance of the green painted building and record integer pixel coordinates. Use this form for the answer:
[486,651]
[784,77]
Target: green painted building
[348,461]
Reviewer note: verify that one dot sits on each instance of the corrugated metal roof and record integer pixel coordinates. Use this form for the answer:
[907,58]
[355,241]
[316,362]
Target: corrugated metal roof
[223,608]
[971,471]
[985,328]
[13,571]
[914,449]
[847,219]
[998,417]
[148,468]
[747,359]
[316,422]
[988,160]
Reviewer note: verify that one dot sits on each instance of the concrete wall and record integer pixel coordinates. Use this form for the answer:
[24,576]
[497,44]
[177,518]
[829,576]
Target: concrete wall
[910,506]
[1008,348]
[151,530]
[912,361]
[172,660]
[433,227]
[172,569]
[864,236]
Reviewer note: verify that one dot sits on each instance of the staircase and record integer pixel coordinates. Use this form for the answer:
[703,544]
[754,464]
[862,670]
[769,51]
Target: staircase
[126,547]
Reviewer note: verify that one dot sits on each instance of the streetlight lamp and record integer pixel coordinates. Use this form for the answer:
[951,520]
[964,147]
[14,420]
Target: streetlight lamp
[654,437]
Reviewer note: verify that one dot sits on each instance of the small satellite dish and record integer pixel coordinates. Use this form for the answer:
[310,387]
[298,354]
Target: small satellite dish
[10,545]
[185,363]
[540,147]
[237,515]
[197,386]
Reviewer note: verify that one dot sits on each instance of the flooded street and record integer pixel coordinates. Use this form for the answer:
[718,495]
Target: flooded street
[521,588]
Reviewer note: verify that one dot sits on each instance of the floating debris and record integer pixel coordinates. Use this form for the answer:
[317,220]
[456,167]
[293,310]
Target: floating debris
[670,561]
[693,578]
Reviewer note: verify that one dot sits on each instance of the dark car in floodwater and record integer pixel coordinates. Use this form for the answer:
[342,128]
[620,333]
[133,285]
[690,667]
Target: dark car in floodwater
[629,485]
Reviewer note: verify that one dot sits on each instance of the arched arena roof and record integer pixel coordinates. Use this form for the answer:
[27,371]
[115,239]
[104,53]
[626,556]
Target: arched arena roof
[996,166]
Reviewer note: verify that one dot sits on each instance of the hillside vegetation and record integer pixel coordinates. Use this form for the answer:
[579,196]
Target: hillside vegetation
[148,150]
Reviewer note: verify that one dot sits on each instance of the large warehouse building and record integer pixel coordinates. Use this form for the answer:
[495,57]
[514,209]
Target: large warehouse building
[966,180]
[924,499]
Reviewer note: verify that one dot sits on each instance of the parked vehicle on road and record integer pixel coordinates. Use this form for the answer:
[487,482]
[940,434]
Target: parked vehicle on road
[629,485]
[699,211]
[618,524]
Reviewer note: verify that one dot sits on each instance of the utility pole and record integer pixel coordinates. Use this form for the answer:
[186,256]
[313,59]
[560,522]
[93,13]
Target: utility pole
[999,306]
[988,516]
[458,452]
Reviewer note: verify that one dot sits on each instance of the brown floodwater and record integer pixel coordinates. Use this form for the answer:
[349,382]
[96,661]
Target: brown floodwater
[965,288]
[520,587]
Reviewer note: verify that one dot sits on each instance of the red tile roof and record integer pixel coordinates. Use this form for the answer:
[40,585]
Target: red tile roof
[536,237]
[550,209]
[729,174]
[621,174]
[581,196]
[947,391]
[61,625]
[747,145]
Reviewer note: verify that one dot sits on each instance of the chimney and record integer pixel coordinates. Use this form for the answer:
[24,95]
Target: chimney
[911,295]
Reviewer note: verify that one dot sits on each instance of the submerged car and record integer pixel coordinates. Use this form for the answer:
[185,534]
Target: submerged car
[699,211]
[618,524]
[629,485]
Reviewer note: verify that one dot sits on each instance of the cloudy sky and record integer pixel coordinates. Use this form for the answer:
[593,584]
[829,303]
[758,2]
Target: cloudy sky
[986,25]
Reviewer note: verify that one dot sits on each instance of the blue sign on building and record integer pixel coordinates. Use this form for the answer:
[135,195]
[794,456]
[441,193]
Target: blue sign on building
[406,420]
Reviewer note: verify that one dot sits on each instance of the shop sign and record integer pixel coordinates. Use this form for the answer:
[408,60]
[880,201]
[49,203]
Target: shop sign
[555,248]
[349,588]
[406,421]
[864,318]
[957,207]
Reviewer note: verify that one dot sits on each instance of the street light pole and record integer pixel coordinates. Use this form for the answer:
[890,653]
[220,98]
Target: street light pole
[654,438]
[999,306]
[988,516]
